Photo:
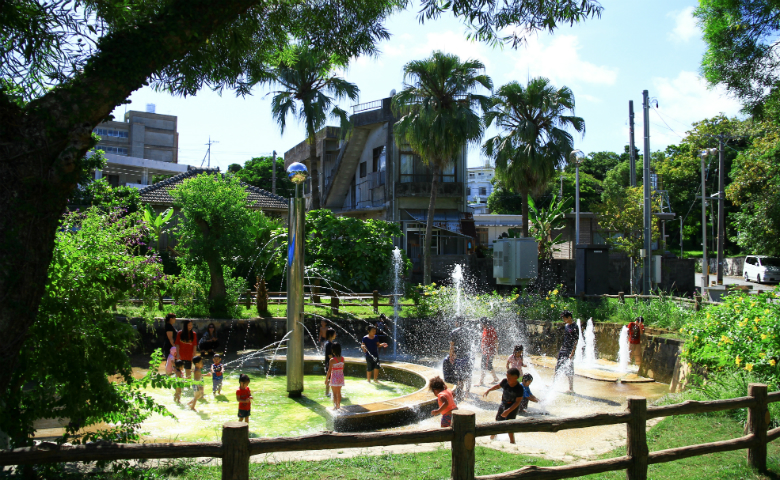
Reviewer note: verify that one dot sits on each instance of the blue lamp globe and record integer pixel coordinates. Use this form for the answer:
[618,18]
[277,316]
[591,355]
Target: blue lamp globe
[297,172]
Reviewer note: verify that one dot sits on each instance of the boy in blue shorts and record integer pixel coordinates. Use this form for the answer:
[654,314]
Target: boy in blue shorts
[515,397]
[217,372]
[370,346]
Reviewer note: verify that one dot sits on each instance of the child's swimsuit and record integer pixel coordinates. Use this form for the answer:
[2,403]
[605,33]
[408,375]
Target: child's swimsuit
[337,373]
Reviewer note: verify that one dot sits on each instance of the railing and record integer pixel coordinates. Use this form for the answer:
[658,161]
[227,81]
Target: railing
[425,178]
[364,107]
[236,447]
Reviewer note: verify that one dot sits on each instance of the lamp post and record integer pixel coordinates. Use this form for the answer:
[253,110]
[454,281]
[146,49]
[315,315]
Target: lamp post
[298,173]
[577,157]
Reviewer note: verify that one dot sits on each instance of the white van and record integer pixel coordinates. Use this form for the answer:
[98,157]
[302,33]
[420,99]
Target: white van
[760,268]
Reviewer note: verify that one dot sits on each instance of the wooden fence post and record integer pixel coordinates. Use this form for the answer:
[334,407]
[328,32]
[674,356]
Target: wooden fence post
[376,301]
[235,448]
[334,305]
[463,440]
[636,439]
[621,297]
[757,423]
[697,302]
[248,299]
[315,297]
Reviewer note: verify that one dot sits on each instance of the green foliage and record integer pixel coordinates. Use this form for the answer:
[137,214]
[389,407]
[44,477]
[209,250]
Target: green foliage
[755,189]
[216,232]
[257,172]
[742,333]
[75,344]
[599,163]
[534,140]
[544,221]
[622,220]
[741,48]
[156,223]
[440,301]
[99,193]
[590,188]
[347,252]
[503,202]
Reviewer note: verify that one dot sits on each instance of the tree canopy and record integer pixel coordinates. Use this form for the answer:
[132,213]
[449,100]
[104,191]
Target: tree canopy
[257,172]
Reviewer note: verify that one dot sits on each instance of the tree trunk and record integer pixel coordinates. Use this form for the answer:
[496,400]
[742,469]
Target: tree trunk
[217,290]
[524,195]
[43,144]
[427,261]
[314,167]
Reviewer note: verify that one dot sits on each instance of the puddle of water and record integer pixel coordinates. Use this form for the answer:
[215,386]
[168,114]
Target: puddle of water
[273,413]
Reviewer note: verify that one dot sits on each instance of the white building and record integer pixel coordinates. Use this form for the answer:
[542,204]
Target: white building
[479,187]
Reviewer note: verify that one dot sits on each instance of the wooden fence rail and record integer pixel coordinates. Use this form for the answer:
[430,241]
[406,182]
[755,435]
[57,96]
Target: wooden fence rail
[236,447]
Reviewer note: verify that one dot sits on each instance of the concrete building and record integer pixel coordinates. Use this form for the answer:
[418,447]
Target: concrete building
[479,186]
[143,145]
[369,176]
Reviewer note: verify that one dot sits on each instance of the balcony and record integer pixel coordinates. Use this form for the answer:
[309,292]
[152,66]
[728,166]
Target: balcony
[423,189]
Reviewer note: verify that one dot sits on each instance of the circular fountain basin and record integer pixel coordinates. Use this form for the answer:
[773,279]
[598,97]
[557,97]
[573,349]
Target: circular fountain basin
[602,370]
[398,411]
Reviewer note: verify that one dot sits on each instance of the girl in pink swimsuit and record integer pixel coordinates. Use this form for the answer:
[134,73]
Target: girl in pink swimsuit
[335,376]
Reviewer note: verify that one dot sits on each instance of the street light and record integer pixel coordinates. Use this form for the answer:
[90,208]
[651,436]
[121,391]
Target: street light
[576,157]
[705,266]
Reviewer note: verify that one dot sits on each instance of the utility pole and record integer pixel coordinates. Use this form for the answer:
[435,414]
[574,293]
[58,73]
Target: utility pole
[646,286]
[273,174]
[681,237]
[208,152]
[705,265]
[631,148]
[721,205]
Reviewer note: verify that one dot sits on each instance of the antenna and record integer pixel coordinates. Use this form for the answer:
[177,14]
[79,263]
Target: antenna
[208,152]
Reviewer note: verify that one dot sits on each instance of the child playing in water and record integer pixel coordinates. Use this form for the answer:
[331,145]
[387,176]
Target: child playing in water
[217,372]
[370,345]
[446,401]
[171,361]
[514,398]
[323,332]
[197,376]
[178,368]
[489,346]
[330,334]
[244,397]
[335,374]
[516,360]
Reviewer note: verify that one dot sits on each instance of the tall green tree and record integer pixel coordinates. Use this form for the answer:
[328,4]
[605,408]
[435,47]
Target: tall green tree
[437,118]
[310,89]
[742,49]
[216,229]
[534,140]
[67,65]
[257,172]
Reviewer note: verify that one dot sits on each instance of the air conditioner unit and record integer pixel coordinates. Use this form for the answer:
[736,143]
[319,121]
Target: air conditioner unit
[515,260]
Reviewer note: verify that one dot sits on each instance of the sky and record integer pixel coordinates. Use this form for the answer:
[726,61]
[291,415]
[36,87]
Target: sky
[634,46]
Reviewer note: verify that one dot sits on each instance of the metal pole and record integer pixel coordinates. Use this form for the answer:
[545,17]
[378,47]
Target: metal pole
[681,237]
[295,237]
[631,147]
[705,280]
[577,206]
[721,206]
[646,184]
[273,174]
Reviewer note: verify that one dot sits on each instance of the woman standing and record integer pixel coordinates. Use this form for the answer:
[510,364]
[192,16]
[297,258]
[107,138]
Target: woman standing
[186,344]
[209,341]
[170,334]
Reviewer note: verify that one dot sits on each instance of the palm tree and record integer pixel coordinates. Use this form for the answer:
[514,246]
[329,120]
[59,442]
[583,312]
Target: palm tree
[309,91]
[534,138]
[436,118]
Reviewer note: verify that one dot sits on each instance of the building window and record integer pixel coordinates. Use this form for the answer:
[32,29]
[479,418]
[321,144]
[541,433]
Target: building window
[414,170]
[362,169]
[481,174]
[379,159]
[482,236]
[108,132]
[113,180]
[114,150]
[483,190]
[471,175]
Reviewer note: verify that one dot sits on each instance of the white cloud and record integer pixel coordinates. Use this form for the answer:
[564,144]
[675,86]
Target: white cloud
[560,61]
[685,26]
[686,99]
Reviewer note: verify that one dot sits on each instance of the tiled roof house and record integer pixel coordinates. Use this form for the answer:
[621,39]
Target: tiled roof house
[158,194]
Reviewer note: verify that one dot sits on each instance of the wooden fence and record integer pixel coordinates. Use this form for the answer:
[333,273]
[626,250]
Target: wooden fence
[236,447]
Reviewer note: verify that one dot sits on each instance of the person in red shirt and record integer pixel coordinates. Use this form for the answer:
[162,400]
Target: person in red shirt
[489,349]
[445,399]
[244,397]
[186,344]
[635,331]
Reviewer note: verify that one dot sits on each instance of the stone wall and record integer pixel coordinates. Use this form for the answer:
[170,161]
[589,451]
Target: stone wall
[659,355]
[731,266]
[679,275]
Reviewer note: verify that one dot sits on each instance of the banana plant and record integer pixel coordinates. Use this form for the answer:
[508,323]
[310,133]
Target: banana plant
[544,221]
[157,223]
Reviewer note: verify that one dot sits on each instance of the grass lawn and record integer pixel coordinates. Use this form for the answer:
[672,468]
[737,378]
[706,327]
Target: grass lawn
[670,433]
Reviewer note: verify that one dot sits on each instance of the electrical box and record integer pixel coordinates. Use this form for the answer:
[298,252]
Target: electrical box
[592,269]
[515,260]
